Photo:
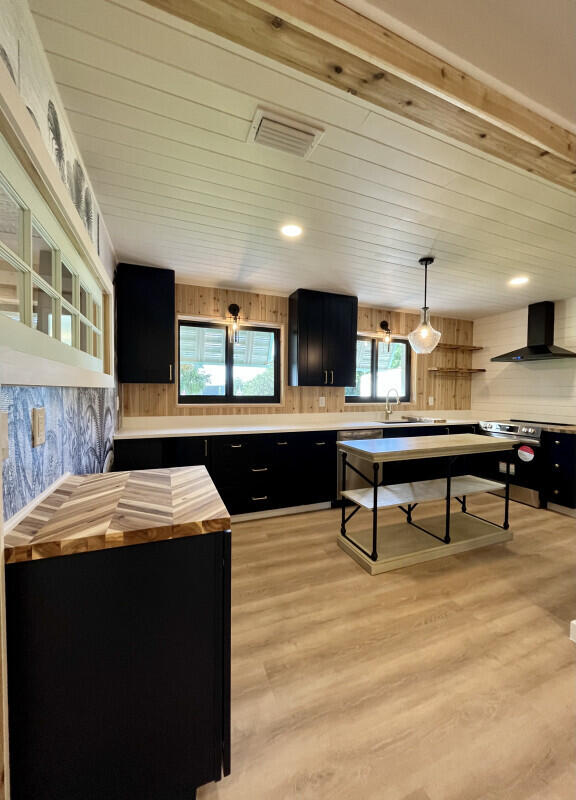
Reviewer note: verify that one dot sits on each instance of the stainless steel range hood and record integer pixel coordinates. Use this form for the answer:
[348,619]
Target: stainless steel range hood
[540,345]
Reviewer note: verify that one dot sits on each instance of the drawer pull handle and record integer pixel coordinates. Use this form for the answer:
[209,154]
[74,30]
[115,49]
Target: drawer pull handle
[319,444]
[556,466]
[280,444]
[556,441]
[235,445]
[556,491]
[259,469]
[260,498]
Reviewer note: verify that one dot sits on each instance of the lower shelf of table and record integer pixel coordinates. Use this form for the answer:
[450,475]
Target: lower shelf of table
[420,491]
[402,545]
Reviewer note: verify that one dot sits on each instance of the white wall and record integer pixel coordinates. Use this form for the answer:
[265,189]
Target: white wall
[541,390]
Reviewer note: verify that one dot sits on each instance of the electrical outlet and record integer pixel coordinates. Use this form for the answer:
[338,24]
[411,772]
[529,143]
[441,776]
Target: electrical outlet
[38,426]
[3,435]
[322,402]
[430,401]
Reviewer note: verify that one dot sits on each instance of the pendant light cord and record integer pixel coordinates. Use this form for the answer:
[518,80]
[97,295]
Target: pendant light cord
[425,283]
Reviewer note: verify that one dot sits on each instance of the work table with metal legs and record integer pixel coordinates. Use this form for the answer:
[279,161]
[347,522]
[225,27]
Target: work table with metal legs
[380,494]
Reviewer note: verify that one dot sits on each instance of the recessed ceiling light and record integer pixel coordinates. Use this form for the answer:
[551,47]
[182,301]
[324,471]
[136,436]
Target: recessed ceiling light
[519,281]
[291,230]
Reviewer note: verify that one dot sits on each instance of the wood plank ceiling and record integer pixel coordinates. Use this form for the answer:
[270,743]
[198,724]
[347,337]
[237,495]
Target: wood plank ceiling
[162,109]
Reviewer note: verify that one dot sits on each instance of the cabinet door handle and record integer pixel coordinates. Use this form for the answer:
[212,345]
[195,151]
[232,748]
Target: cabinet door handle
[556,441]
[260,498]
[556,466]
[259,469]
[170,373]
[205,448]
[325,376]
[234,446]
[332,377]
[556,491]
[281,444]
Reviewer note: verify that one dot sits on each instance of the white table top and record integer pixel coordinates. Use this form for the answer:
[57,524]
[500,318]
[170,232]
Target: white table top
[411,447]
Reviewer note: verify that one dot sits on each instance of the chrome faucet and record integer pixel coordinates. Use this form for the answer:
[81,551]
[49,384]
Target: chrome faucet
[388,407]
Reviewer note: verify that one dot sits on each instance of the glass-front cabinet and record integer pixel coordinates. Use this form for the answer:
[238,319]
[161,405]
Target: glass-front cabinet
[44,284]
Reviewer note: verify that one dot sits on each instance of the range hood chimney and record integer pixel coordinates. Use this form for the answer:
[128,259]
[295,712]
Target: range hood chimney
[540,345]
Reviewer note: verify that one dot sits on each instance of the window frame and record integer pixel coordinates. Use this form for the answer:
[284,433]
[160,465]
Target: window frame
[373,397]
[228,398]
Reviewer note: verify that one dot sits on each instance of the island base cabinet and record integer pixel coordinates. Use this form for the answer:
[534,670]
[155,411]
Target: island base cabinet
[119,671]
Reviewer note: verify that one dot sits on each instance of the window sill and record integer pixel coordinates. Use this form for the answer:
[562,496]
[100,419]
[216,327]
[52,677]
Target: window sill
[230,405]
[30,358]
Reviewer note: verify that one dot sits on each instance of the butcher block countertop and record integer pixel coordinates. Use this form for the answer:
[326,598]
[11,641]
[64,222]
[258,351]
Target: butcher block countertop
[115,509]
[410,447]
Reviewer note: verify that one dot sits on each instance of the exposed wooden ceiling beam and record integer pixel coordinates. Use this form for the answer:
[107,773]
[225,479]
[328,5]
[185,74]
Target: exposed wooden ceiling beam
[339,46]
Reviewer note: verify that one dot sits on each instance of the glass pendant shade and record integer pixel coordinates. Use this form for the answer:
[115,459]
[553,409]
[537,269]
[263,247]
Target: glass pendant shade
[424,338]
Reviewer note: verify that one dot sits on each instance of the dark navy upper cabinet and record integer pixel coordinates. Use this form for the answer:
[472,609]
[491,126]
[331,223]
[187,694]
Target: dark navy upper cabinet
[145,319]
[322,339]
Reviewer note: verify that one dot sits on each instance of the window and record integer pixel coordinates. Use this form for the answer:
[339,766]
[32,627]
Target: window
[42,311]
[44,284]
[378,371]
[67,326]
[67,284]
[11,222]
[11,285]
[42,256]
[215,370]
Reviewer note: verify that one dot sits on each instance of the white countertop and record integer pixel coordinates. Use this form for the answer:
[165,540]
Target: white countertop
[154,427]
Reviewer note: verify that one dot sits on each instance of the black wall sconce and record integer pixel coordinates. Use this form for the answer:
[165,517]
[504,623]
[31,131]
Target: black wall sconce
[234,311]
[384,326]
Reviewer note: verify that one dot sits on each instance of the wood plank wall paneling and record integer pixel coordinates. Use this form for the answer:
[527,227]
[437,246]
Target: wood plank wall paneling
[538,390]
[150,399]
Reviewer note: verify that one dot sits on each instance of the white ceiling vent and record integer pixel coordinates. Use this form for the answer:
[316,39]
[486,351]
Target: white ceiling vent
[283,133]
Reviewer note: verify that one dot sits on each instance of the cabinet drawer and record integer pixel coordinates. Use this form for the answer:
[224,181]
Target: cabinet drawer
[562,492]
[560,452]
[244,500]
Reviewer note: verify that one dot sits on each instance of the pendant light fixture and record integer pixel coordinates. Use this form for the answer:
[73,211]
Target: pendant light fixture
[424,338]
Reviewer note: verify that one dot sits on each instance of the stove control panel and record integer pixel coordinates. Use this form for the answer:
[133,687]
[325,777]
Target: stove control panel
[511,429]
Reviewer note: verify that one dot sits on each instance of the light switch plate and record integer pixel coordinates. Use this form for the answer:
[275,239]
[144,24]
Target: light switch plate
[3,435]
[322,402]
[38,426]
[430,401]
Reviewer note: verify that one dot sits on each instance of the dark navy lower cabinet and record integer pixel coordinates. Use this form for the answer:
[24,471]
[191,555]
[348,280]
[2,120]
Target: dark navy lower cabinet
[559,473]
[156,452]
[253,472]
[119,671]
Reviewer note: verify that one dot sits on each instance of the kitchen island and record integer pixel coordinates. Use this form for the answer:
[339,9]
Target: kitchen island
[118,630]
[392,546]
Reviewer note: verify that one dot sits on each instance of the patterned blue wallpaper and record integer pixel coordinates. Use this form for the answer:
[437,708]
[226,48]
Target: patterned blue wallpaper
[79,429]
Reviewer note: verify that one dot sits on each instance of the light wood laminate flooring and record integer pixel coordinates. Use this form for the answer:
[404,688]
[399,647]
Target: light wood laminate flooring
[449,680]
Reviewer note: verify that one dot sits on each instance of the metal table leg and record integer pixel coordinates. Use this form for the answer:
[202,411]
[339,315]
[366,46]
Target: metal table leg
[448,491]
[374,555]
[506,524]
[343,489]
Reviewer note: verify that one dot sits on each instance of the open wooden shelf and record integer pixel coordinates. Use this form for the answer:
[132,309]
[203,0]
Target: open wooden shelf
[421,491]
[447,346]
[453,371]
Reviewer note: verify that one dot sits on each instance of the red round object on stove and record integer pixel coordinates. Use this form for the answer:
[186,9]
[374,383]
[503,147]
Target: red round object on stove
[525,453]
